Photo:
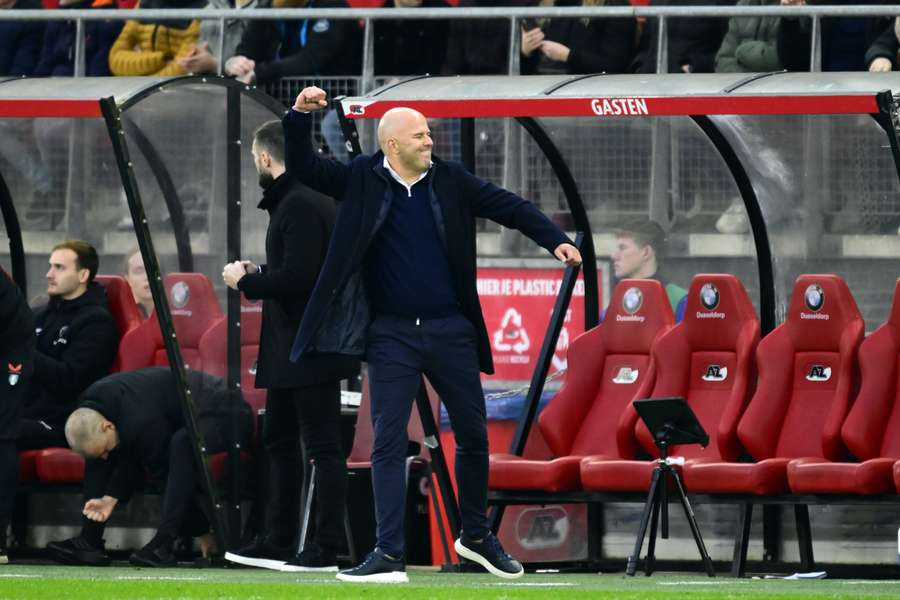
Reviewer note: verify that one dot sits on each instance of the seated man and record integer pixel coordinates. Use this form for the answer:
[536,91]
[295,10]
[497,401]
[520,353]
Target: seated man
[132,423]
[17,353]
[639,250]
[77,342]
[136,276]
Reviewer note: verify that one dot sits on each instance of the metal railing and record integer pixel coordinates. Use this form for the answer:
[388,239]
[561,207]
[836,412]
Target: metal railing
[513,14]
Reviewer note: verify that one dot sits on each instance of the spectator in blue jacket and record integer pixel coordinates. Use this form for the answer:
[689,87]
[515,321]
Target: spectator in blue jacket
[57,58]
[20,41]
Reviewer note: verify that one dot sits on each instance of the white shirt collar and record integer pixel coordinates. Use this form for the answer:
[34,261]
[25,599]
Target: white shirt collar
[400,180]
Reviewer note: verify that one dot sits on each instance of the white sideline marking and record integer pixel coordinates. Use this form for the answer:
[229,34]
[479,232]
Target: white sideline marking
[19,576]
[157,578]
[697,582]
[528,584]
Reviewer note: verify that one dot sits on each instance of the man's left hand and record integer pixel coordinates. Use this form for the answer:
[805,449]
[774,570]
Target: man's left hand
[232,273]
[568,254]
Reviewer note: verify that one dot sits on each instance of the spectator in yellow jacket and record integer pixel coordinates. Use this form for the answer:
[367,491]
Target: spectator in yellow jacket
[154,47]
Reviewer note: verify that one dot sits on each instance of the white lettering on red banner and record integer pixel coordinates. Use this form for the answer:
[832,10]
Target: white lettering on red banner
[618,107]
[517,306]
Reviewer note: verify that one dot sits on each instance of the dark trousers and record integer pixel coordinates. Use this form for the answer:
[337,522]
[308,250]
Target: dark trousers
[313,413]
[9,476]
[398,352]
[13,393]
[181,513]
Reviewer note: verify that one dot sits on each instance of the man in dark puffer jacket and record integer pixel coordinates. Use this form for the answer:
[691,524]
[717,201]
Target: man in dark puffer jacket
[77,342]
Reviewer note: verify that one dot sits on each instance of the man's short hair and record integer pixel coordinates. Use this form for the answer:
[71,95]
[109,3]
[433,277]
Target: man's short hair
[85,255]
[127,259]
[270,137]
[644,232]
[81,427]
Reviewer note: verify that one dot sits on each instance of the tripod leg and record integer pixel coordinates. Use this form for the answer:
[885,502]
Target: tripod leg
[645,518]
[695,530]
[650,561]
[664,500]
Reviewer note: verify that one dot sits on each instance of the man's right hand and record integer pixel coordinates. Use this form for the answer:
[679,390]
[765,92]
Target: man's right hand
[99,509]
[531,40]
[310,99]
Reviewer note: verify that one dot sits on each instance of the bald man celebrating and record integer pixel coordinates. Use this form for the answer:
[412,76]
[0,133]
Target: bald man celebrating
[398,286]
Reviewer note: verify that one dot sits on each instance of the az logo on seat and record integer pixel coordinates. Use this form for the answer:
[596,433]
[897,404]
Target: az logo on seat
[819,373]
[715,373]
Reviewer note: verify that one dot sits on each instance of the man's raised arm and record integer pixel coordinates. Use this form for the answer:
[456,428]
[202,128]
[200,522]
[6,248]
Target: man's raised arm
[301,161]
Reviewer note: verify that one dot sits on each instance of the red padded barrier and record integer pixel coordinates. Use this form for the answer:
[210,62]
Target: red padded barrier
[608,367]
[869,431]
[194,309]
[806,381]
[706,359]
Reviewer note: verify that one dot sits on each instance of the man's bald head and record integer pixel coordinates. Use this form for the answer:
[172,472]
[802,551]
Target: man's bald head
[90,434]
[405,140]
[396,121]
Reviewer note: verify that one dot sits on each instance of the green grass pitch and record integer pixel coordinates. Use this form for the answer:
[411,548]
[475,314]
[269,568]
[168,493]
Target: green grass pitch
[21,582]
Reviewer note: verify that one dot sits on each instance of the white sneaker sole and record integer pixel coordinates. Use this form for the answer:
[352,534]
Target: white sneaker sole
[288,568]
[262,563]
[475,557]
[392,577]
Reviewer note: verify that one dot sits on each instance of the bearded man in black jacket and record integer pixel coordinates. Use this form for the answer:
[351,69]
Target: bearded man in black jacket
[303,398]
[77,342]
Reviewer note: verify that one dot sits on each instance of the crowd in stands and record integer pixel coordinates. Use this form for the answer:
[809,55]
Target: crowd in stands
[262,51]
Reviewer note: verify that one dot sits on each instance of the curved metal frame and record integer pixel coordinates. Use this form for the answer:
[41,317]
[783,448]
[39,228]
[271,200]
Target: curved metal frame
[14,232]
[170,195]
[755,217]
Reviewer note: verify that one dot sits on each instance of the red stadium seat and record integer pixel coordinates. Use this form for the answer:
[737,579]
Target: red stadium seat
[214,351]
[706,359]
[870,429]
[609,366]
[59,465]
[806,378]
[122,306]
[194,309]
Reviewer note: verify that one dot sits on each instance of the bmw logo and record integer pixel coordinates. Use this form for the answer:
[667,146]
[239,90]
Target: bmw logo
[815,297]
[181,293]
[632,300]
[709,296]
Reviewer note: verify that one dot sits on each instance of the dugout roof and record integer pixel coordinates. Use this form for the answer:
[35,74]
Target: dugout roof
[801,150]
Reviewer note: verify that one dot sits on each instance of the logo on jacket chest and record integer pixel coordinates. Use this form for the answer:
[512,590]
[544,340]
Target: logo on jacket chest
[15,373]
[61,336]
